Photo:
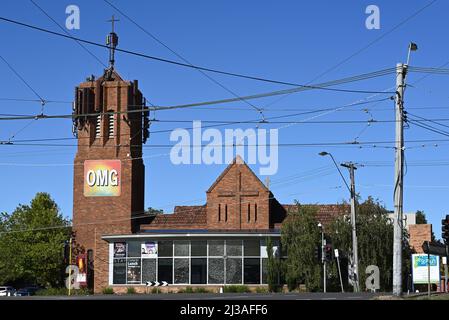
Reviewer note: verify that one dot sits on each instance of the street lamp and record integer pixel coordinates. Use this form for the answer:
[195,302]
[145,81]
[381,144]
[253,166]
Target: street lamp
[355,260]
[323,154]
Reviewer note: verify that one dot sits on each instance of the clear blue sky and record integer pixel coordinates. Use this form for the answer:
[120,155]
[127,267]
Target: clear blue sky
[286,40]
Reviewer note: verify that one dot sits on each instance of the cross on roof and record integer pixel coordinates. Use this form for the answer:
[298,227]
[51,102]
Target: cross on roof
[113,20]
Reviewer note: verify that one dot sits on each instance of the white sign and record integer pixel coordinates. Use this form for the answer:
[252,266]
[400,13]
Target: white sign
[336,253]
[420,268]
[81,277]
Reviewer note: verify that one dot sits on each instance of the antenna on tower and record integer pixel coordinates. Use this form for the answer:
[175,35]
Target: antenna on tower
[111,42]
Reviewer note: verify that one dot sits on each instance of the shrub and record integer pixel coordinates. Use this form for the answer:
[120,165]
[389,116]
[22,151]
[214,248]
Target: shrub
[236,289]
[63,292]
[131,290]
[108,290]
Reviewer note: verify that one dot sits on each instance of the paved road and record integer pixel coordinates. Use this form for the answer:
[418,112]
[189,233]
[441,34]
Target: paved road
[209,296]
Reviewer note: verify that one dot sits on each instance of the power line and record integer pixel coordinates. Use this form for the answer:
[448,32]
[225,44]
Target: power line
[181,57]
[187,65]
[397,26]
[66,32]
[41,100]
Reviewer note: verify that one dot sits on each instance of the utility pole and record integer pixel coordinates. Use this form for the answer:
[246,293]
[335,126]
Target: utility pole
[355,255]
[401,71]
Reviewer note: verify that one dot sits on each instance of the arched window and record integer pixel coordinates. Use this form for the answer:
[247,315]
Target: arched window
[255,212]
[226,212]
[249,212]
[219,212]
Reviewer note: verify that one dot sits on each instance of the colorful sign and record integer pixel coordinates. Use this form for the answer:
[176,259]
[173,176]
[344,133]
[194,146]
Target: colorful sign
[149,249]
[102,178]
[421,265]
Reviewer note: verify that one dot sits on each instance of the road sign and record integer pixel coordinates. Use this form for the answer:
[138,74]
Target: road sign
[157,284]
[336,253]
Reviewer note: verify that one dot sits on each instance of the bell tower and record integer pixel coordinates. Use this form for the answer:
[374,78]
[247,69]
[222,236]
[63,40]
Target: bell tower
[111,124]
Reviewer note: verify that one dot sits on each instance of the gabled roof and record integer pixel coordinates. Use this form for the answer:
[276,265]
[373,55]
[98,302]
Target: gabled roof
[183,216]
[237,161]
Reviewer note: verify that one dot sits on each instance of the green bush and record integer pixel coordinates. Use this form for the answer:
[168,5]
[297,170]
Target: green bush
[108,290]
[63,292]
[236,289]
[131,290]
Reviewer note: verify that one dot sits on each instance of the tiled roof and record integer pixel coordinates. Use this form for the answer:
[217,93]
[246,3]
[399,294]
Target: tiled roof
[326,213]
[187,217]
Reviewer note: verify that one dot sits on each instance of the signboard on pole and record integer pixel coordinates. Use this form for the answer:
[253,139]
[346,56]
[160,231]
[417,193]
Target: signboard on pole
[420,269]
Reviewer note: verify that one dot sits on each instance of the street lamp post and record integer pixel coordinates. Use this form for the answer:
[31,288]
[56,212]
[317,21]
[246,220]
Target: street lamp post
[323,260]
[355,262]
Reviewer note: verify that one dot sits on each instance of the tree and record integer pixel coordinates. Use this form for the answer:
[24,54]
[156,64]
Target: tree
[421,219]
[299,236]
[375,241]
[154,211]
[31,243]
[273,267]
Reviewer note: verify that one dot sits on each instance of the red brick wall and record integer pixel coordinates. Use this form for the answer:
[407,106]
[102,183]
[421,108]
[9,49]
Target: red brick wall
[96,216]
[225,192]
[418,234]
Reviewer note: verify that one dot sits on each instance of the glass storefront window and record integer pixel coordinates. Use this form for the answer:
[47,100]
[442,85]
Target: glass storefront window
[181,248]
[165,248]
[148,270]
[165,270]
[251,248]
[251,271]
[198,272]
[216,270]
[216,248]
[234,248]
[181,269]
[234,270]
[199,248]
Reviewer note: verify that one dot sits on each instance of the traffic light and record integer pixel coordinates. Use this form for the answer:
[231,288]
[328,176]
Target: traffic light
[445,229]
[66,251]
[328,252]
[318,253]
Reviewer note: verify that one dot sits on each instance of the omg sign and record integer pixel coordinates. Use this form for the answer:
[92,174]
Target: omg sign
[102,178]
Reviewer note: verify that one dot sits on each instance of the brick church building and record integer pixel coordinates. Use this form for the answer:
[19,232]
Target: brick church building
[221,242]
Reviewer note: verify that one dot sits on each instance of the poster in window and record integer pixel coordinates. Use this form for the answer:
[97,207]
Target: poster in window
[119,249]
[133,270]
[149,249]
